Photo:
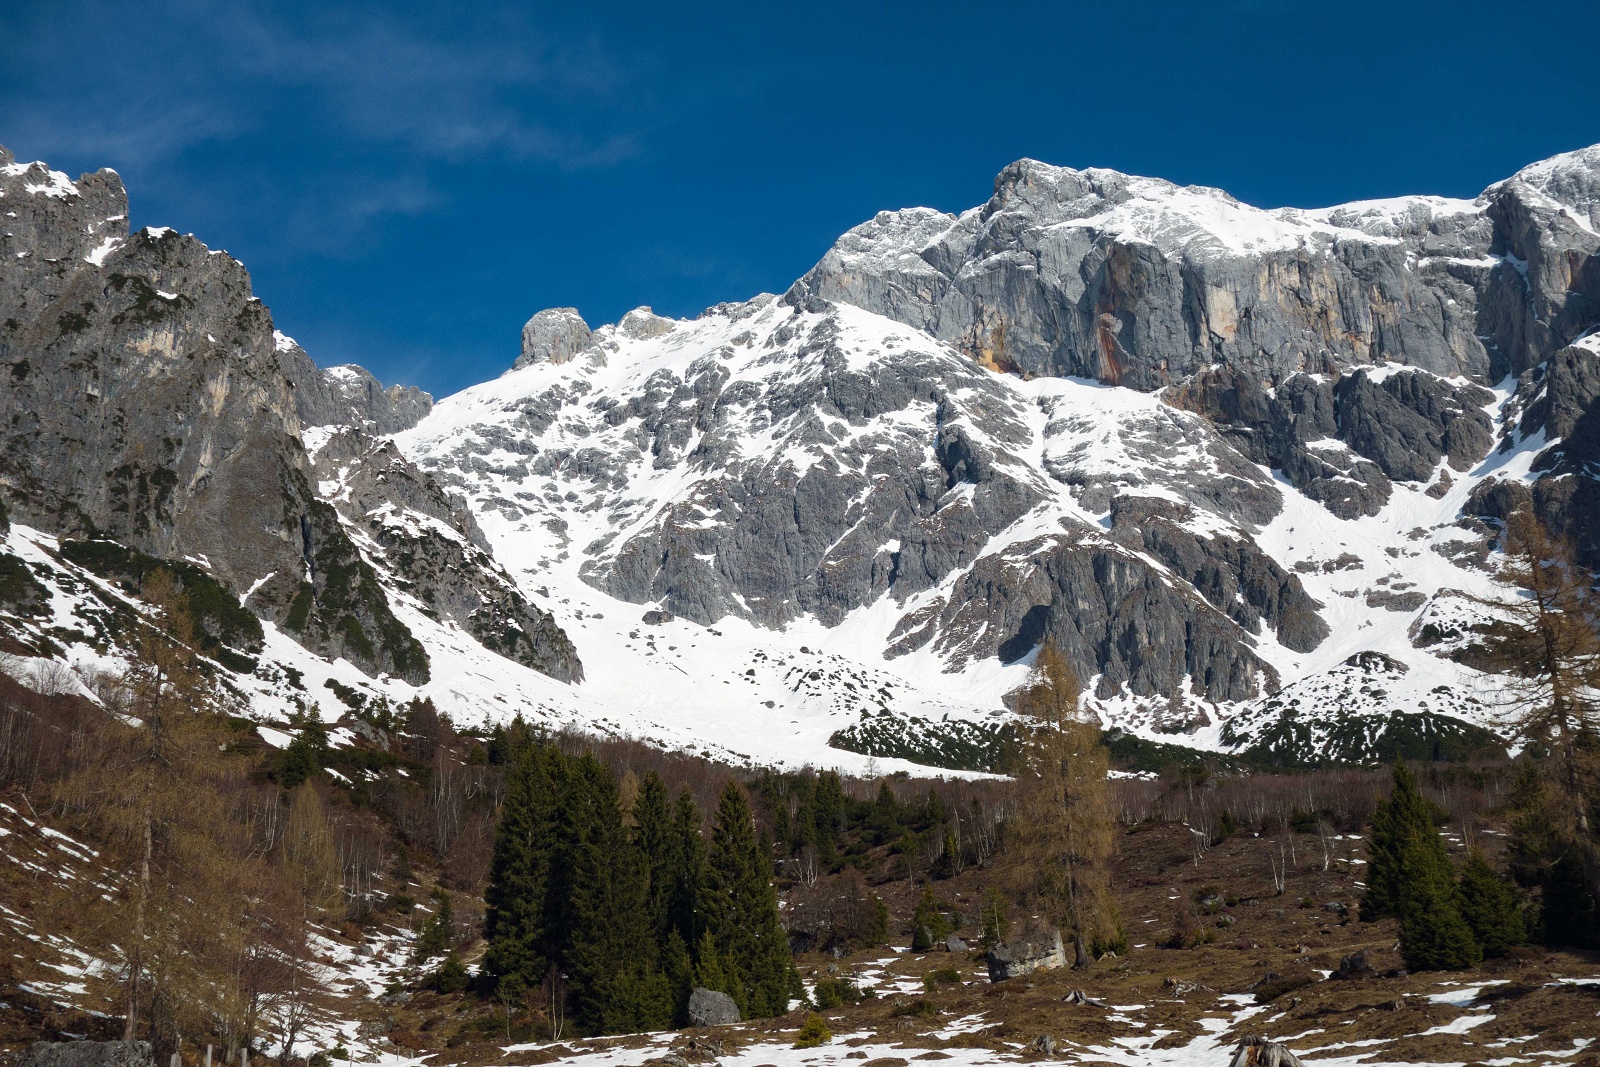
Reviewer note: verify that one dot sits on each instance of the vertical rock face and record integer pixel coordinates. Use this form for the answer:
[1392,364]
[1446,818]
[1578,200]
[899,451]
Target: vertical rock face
[428,545]
[1344,440]
[147,403]
[554,335]
[1559,403]
[348,395]
[1139,282]
[149,400]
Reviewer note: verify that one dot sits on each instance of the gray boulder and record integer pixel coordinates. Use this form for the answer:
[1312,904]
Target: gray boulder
[707,1007]
[1029,952]
[87,1054]
[554,335]
[954,944]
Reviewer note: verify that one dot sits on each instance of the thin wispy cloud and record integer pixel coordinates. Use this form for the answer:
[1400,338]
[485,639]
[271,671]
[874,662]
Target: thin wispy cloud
[388,95]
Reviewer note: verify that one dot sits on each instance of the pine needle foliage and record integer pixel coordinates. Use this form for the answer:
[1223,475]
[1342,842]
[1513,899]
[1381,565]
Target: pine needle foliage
[1410,878]
[1490,906]
[612,894]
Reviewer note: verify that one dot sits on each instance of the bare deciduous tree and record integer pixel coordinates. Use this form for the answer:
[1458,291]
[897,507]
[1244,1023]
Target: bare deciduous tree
[1063,827]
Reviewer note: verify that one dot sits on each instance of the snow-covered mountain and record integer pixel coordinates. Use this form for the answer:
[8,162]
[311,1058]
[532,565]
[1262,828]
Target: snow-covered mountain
[1243,466]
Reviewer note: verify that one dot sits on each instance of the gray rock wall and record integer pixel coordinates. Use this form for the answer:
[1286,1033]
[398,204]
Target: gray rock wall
[1138,282]
[147,403]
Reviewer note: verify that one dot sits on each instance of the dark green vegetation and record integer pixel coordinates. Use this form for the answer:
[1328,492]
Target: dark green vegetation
[224,627]
[1292,742]
[1410,878]
[820,826]
[1288,743]
[1450,919]
[344,608]
[1555,860]
[954,744]
[20,591]
[622,918]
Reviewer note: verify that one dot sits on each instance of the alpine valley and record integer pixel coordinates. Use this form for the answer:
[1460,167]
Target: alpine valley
[1244,467]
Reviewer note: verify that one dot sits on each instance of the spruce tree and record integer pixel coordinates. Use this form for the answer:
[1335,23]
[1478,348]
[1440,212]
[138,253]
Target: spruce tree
[687,874]
[515,920]
[830,804]
[679,972]
[1433,935]
[1410,877]
[742,910]
[1489,905]
[616,983]
[1394,822]
[710,972]
[929,926]
[1545,856]
[653,837]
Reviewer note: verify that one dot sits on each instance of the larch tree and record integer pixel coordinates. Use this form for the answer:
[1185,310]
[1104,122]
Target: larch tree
[1063,827]
[1550,652]
[1547,647]
[151,785]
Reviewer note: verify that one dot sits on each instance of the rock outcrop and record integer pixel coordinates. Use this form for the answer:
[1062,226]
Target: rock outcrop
[348,395]
[431,548]
[1034,950]
[554,335]
[147,404]
[1559,403]
[151,402]
[1139,282]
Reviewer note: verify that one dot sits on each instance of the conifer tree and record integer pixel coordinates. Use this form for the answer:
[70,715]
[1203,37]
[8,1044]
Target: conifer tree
[1489,905]
[1433,934]
[829,803]
[1544,856]
[1394,821]
[679,972]
[709,972]
[742,909]
[687,875]
[1547,645]
[653,837]
[519,872]
[929,926]
[616,983]
[1410,877]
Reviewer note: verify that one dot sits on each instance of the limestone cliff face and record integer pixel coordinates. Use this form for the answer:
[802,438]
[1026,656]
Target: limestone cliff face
[147,404]
[1139,282]
[149,400]
[430,547]
[348,395]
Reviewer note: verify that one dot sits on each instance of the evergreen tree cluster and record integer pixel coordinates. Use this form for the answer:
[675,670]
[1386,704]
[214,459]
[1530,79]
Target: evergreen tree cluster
[1556,860]
[619,910]
[1447,921]
[813,813]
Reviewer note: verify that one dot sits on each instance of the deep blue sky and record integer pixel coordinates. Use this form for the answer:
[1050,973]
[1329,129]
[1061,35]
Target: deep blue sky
[407,183]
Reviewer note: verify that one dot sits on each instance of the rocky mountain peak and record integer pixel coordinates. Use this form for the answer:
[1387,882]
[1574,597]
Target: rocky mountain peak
[347,395]
[553,335]
[1571,180]
[1239,464]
